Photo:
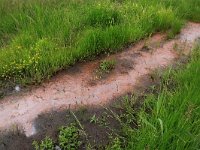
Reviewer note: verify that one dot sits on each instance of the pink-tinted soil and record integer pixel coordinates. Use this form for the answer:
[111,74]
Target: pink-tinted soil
[79,85]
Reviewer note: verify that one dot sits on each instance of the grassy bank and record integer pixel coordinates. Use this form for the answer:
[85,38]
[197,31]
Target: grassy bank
[40,37]
[169,118]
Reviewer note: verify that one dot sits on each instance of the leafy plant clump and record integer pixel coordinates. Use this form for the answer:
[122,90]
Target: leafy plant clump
[69,138]
[104,68]
[107,65]
[46,144]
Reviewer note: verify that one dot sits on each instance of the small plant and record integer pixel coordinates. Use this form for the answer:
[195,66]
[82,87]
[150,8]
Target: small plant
[69,138]
[94,119]
[116,145]
[107,65]
[46,144]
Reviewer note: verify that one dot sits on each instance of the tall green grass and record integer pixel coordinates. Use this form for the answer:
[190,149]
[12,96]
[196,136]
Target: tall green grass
[170,119]
[40,37]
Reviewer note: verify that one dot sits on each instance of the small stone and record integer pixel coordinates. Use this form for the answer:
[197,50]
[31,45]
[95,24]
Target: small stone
[57,147]
[17,88]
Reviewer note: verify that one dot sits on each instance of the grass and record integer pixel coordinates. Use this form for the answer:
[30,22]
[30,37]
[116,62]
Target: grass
[47,143]
[105,67]
[40,37]
[68,139]
[169,118]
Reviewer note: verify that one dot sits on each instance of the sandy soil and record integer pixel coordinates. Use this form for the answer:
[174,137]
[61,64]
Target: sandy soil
[79,86]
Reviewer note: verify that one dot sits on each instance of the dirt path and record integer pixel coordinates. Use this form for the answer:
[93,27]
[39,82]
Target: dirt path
[78,85]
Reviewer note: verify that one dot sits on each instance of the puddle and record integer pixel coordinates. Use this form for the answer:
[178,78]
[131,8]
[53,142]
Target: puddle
[73,88]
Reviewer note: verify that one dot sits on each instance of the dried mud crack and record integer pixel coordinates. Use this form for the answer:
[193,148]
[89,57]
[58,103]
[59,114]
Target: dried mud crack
[78,86]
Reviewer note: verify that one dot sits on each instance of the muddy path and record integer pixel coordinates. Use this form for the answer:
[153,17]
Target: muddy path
[79,85]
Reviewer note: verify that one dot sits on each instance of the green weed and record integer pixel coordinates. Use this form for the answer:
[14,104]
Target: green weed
[115,145]
[46,144]
[94,119]
[107,65]
[104,68]
[69,138]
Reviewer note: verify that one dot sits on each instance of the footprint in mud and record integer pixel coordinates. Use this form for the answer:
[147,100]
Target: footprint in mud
[124,65]
[145,48]
[74,70]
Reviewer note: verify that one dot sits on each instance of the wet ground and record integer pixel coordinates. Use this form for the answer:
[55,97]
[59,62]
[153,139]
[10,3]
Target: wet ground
[79,86]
